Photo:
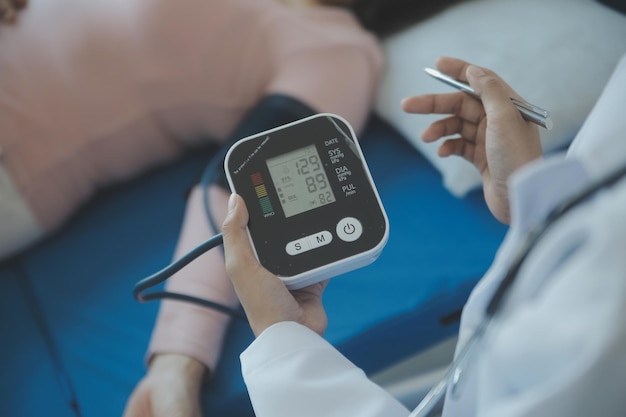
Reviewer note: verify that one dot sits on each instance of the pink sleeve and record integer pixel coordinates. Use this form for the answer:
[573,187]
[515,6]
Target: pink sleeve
[341,79]
[185,328]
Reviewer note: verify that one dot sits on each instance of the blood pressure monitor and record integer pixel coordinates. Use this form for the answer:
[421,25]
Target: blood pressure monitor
[314,210]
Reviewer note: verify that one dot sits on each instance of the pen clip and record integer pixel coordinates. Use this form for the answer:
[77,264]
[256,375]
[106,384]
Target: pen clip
[531,107]
[533,113]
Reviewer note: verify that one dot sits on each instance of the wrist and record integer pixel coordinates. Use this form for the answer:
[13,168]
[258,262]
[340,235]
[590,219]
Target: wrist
[178,366]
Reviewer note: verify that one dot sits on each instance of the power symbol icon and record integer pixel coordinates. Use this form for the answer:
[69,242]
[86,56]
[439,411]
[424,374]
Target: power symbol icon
[349,229]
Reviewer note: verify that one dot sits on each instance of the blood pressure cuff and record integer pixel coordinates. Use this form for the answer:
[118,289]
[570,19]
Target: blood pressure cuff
[270,112]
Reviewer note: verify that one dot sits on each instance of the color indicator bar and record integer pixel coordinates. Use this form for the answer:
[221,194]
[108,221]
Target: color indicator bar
[261,193]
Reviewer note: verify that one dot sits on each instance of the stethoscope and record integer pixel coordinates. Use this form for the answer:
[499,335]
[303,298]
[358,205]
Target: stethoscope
[453,376]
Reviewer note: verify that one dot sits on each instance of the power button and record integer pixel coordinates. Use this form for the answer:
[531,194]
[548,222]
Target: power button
[349,229]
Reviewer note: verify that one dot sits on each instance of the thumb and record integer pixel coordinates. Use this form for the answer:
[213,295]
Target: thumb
[237,247]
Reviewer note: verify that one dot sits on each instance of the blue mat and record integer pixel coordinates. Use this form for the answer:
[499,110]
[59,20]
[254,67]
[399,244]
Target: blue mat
[71,329]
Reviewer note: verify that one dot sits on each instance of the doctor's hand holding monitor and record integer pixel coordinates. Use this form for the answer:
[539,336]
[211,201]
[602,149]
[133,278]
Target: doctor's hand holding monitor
[541,334]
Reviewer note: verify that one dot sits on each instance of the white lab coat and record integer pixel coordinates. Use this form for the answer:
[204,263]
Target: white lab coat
[557,348]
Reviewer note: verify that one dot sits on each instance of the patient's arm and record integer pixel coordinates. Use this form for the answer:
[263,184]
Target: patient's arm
[187,339]
[186,328]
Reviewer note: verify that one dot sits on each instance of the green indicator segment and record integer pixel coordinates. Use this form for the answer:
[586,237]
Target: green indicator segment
[266,205]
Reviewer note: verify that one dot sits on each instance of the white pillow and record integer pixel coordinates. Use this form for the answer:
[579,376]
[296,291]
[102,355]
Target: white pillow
[558,54]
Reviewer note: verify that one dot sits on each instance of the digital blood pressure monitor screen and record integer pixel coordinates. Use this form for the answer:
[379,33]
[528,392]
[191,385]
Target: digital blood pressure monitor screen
[314,210]
[300,180]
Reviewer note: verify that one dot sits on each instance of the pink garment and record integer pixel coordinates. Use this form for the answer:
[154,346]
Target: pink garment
[94,92]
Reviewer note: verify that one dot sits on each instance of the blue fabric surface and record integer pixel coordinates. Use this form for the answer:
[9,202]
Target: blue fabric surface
[27,371]
[82,279]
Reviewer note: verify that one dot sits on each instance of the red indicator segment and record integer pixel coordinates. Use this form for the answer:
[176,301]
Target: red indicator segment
[256,179]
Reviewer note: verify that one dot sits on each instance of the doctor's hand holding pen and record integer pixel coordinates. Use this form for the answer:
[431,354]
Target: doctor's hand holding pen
[488,130]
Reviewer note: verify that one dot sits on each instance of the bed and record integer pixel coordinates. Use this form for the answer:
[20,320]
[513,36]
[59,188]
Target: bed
[70,322]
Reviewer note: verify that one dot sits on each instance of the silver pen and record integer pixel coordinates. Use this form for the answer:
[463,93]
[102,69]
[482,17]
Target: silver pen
[529,111]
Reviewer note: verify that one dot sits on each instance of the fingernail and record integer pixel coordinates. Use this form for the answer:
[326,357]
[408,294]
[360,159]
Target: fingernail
[475,71]
[232,202]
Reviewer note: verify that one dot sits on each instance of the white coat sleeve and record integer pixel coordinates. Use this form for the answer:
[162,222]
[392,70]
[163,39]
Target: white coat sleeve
[292,371]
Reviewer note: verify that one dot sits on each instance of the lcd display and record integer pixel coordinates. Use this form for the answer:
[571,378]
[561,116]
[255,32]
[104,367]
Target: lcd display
[300,180]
